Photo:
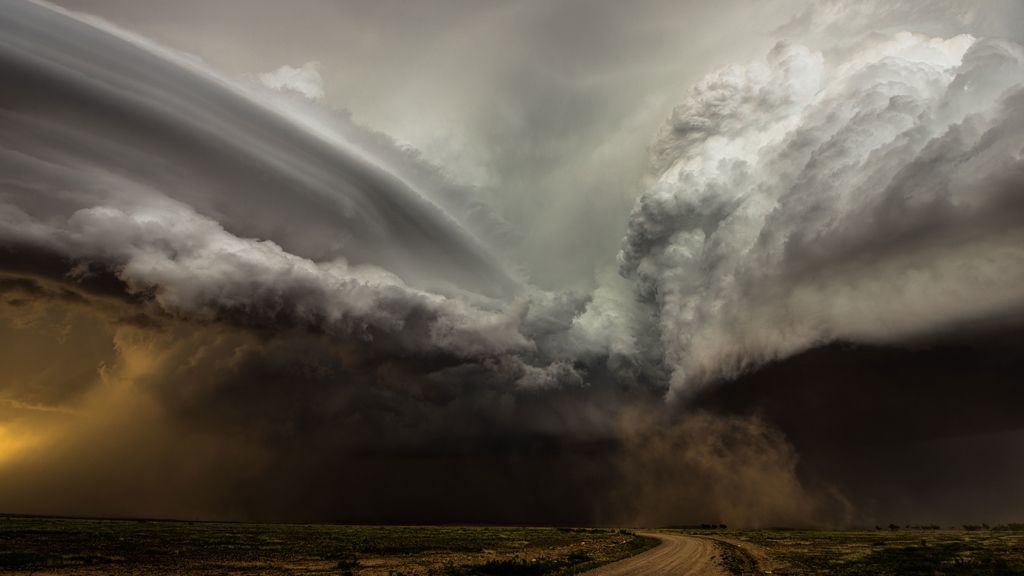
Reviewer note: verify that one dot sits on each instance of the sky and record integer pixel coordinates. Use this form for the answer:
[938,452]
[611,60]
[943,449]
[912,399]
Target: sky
[646,263]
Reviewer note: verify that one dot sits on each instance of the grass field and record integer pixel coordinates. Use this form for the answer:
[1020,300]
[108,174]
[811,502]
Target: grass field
[903,552]
[30,545]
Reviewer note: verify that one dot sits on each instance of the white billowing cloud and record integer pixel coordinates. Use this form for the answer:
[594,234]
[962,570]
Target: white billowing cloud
[304,80]
[801,200]
[193,268]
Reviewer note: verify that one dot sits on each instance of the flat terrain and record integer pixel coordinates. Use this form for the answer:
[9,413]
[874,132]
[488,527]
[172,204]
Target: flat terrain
[30,545]
[902,552]
[678,555]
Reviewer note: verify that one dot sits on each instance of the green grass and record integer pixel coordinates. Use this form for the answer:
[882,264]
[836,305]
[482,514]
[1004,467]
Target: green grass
[49,544]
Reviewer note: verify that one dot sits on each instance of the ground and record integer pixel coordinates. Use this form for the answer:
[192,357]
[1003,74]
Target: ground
[901,551]
[30,545]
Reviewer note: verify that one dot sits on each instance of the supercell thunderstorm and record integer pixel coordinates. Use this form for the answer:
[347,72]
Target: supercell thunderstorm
[252,307]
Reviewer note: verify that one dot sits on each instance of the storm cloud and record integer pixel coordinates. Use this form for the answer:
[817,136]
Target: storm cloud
[800,201]
[227,291]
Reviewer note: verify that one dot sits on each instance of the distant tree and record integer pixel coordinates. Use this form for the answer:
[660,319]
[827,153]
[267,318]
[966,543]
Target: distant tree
[894,527]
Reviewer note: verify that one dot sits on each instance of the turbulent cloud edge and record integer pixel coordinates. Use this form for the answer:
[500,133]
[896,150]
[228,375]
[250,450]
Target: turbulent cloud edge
[194,268]
[800,200]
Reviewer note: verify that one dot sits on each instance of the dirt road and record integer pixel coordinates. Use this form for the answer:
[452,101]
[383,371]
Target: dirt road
[677,555]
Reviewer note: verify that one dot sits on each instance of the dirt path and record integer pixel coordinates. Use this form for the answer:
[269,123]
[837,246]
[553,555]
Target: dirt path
[677,555]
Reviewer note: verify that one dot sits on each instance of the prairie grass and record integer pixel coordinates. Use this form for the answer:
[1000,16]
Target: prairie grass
[903,552]
[86,546]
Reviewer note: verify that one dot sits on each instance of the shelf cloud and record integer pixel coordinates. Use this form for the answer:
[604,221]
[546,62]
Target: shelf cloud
[657,283]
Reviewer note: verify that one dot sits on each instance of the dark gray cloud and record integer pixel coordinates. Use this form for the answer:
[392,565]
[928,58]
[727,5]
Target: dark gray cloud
[928,431]
[288,424]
